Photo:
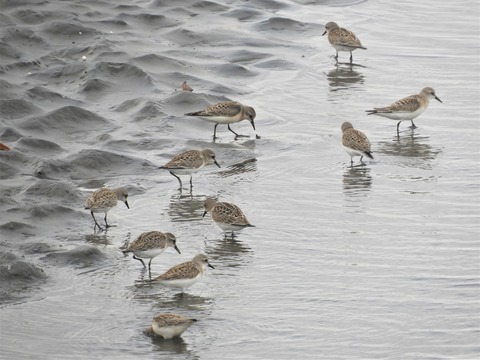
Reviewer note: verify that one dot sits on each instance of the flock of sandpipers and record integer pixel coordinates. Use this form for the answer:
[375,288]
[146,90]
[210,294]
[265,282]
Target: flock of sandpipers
[228,216]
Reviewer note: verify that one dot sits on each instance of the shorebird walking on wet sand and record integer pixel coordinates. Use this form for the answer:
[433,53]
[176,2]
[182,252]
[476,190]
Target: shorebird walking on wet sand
[228,217]
[151,244]
[355,142]
[102,200]
[185,274]
[342,39]
[189,162]
[227,112]
[407,108]
[169,325]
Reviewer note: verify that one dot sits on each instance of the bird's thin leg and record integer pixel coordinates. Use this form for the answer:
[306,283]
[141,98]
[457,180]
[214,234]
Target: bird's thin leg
[96,224]
[233,131]
[106,224]
[413,125]
[351,57]
[149,265]
[361,159]
[351,161]
[398,131]
[141,260]
[180,181]
[215,131]
[191,184]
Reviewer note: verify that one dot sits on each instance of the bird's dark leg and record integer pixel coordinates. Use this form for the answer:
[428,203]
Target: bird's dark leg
[191,184]
[180,181]
[351,161]
[141,260]
[413,125]
[398,131]
[361,159]
[351,57]
[236,135]
[150,264]
[215,131]
[96,224]
[106,224]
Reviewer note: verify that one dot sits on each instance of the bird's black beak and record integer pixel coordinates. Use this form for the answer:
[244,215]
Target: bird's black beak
[438,99]
[176,248]
[126,203]
[216,163]
[253,124]
[204,213]
[210,266]
[324,32]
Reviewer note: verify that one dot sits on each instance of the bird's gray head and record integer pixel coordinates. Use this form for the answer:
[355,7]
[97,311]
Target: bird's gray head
[430,93]
[122,195]
[210,157]
[330,26]
[346,125]
[172,241]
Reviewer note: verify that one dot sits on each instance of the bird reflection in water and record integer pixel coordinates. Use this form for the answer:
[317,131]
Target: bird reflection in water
[357,180]
[245,166]
[413,146]
[174,345]
[186,207]
[344,76]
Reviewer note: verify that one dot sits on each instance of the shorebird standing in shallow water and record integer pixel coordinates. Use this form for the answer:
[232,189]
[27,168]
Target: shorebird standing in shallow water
[189,162]
[342,39]
[407,108]
[227,216]
[151,244]
[102,200]
[185,274]
[227,112]
[355,142]
[169,325]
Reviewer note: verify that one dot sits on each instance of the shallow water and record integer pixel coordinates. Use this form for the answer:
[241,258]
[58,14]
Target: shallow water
[375,261]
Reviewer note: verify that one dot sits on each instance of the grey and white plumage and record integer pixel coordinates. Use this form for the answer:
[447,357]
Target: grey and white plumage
[342,39]
[104,199]
[169,325]
[151,244]
[407,108]
[189,162]
[227,112]
[185,274]
[227,216]
[355,142]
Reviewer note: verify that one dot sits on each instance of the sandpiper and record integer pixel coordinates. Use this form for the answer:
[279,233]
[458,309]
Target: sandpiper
[102,200]
[169,325]
[189,162]
[355,142]
[342,39]
[227,216]
[185,274]
[407,108]
[151,244]
[227,112]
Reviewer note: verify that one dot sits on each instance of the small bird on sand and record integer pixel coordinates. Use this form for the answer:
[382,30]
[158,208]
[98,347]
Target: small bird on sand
[151,244]
[342,39]
[104,199]
[355,142]
[228,217]
[407,108]
[169,325]
[185,274]
[227,112]
[189,162]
